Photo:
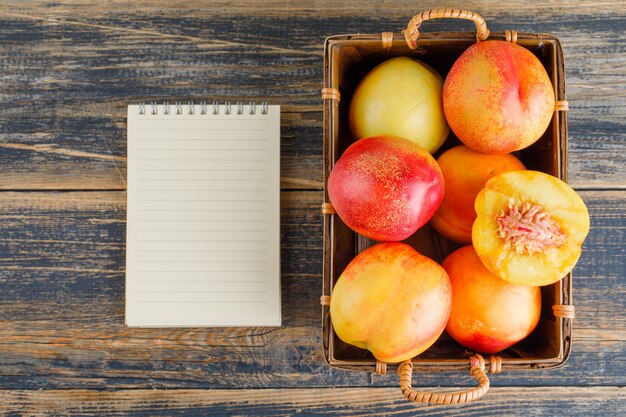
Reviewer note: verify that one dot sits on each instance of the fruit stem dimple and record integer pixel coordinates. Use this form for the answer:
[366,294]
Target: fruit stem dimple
[529,229]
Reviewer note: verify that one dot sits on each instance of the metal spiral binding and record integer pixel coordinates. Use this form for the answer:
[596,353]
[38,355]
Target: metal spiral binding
[178,107]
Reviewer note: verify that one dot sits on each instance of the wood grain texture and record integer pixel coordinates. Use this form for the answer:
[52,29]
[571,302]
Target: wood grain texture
[62,294]
[520,401]
[69,68]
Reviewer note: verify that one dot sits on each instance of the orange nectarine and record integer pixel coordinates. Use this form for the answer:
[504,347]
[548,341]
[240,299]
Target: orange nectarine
[465,172]
[498,97]
[488,314]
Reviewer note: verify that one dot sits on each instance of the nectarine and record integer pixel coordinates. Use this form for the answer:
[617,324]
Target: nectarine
[465,172]
[488,314]
[392,301]
[400,97]
[529,227]
[385,187]
[498,97]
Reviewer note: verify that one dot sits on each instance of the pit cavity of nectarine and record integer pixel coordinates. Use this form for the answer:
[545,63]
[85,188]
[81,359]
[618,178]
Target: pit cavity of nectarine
[392,301]
[530,227]
[465,172]
[498,97]
[488,314]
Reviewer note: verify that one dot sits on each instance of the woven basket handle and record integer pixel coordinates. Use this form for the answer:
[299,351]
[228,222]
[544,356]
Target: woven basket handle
[412,29]
[477,371]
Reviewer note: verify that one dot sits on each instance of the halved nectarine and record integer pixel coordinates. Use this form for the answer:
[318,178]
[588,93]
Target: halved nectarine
[529,227]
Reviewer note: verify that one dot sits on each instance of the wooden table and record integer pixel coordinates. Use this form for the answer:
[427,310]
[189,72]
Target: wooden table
[68,71]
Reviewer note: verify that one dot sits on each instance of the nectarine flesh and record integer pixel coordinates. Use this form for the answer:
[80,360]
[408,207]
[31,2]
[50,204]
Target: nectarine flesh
[529,227]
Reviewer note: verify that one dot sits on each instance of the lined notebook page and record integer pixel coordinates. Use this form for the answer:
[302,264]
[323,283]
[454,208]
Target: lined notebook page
[203,217]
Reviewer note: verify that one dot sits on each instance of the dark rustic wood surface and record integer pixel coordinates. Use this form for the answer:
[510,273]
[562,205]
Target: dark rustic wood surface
[67,71]
[373,402]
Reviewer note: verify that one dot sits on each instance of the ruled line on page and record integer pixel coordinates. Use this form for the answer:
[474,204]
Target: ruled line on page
[211,261]
[203,240]
[202,220]
[247,273]
[185,216]
[202,302]
[207,257]
[203,200]
[202,230]
[152,281]
[204,159]
[190,247]
[204,292]
[201,179]
[203,139]
[205,149]
[200,270]
[186,210]
[203,169]
[205,251]
[177,129]
[196,116]
[167,223]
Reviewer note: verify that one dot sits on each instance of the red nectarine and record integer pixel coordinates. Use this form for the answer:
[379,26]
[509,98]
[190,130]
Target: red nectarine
[385,187]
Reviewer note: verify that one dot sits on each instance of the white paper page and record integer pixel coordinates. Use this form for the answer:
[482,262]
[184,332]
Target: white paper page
[203,217]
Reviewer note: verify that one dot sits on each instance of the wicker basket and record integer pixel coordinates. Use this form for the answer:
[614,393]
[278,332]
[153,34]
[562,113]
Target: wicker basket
[347,59]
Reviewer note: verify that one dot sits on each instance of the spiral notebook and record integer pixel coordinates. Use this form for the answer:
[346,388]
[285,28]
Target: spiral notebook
[203,215]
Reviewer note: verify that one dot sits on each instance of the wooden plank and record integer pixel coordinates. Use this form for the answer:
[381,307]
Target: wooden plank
[70,68]
[527,401]
[62,293]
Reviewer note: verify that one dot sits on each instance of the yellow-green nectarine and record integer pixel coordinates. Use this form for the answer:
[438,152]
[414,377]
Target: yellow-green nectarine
[400,97]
